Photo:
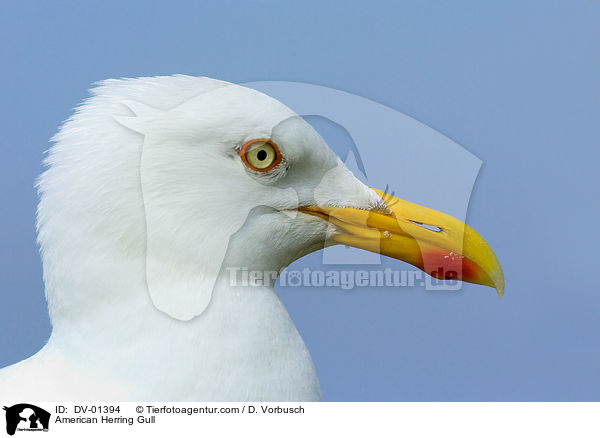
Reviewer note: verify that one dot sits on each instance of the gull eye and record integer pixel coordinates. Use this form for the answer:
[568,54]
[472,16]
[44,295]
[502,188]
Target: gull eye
[260,155]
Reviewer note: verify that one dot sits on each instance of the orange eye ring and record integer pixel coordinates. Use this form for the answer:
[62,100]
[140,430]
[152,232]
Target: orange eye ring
[260,155]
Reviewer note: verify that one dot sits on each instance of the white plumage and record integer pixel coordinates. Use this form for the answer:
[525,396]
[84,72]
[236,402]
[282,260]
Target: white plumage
[143,205]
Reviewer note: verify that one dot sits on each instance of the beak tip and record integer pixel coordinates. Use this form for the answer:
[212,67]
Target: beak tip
[500,288]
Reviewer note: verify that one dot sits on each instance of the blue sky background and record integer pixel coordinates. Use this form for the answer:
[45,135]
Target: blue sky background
[517,83]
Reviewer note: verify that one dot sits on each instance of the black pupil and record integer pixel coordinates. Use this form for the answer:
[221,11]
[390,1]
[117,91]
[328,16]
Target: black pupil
[261,155]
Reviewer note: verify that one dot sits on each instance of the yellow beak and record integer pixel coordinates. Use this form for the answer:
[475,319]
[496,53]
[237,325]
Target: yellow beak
[434,242]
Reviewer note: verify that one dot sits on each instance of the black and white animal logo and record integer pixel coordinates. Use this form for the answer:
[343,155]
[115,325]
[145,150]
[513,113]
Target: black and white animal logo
[26,417]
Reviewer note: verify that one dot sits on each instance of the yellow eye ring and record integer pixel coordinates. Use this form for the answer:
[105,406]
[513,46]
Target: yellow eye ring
[260,155]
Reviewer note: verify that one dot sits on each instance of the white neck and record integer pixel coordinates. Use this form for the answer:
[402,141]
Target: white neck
[243,347]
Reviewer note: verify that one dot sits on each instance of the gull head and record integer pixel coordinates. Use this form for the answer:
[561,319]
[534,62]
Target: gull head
[162,183]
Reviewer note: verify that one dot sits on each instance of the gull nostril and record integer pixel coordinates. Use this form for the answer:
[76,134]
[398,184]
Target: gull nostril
[426,226]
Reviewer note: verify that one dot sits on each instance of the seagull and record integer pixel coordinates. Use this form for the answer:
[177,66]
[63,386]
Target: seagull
[154,192]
